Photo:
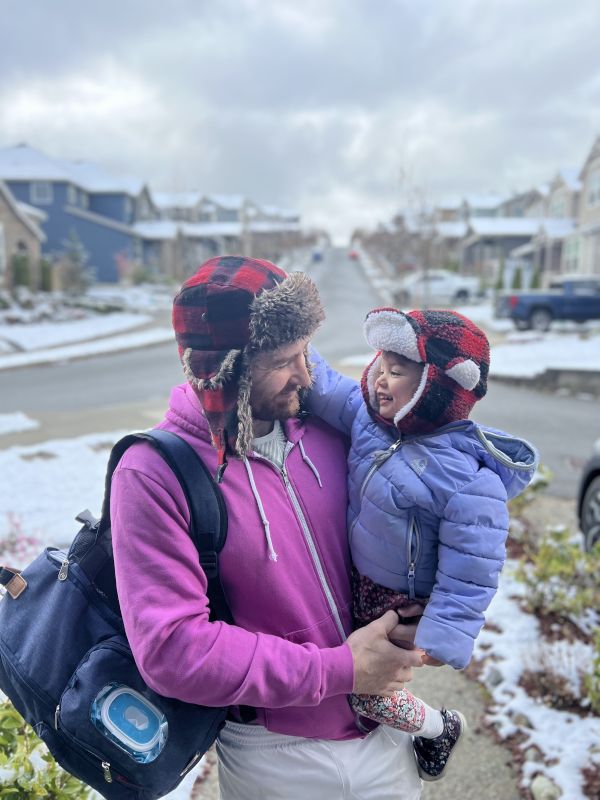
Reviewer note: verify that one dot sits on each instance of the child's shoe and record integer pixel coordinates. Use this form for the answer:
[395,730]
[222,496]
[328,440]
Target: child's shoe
[433,755]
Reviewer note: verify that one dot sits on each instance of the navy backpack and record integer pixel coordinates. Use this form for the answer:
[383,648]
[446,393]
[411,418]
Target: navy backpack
[65,662]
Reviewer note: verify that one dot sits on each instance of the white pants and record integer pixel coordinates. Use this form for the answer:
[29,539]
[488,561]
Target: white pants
[255,764]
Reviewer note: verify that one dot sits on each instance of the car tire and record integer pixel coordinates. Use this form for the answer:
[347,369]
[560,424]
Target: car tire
[590,514]
[522,324]
[462,296]
[540,319]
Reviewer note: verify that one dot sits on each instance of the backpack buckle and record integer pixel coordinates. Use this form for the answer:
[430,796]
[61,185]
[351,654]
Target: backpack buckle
[209,563]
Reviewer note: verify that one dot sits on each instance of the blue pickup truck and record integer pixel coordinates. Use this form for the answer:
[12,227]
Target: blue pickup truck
[567,298]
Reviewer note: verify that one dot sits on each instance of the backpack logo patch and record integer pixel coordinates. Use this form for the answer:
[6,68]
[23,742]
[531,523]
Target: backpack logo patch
[419,465]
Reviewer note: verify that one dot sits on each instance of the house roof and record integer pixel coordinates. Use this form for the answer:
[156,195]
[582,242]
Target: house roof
[97,180]
[557,228]
[234,202]
[156,230]
[25,163]
[504,226]
[20,214]
[164,200]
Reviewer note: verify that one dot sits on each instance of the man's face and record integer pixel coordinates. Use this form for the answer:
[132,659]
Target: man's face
[277,377]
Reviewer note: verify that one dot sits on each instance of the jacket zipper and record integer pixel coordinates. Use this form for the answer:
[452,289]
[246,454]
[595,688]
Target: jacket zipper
[414,535]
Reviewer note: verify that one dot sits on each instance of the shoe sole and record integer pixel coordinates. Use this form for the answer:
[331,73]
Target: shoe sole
[463,729]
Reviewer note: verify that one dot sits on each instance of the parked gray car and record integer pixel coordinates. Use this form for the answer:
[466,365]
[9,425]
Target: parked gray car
[588,504]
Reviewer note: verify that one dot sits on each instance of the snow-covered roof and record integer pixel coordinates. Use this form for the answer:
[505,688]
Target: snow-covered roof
[451,230]
[164,200]
[157,229]
[273,226]
[199,230]
[24,218]
[504,226]
[32,211]
[25,163]
[558,228]
[96,179]
[231,201]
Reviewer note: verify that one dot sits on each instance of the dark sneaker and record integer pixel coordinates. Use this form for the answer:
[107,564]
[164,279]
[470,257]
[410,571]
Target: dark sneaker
[433,755]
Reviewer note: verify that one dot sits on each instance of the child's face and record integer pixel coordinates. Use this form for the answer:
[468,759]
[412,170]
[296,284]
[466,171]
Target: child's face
[397,383]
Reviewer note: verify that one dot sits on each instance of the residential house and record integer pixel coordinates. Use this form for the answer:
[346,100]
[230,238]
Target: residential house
[82,200]
[489,242]
[20,237]
[480,205]
[588,241]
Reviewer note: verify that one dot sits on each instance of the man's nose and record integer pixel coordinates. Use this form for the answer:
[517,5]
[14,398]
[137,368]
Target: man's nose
[302,374]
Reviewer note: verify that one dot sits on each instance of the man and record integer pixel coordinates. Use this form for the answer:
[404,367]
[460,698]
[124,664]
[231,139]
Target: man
[242,328]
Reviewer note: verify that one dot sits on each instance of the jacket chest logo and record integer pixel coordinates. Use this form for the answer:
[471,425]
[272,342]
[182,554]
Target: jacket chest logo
[419,465]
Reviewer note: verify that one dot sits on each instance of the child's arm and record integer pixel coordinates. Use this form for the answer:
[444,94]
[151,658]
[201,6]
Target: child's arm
[471,553]
[333,397]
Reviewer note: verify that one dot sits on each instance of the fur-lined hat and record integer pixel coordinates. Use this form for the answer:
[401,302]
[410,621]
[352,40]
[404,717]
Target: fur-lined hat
[456,358]
[229,309]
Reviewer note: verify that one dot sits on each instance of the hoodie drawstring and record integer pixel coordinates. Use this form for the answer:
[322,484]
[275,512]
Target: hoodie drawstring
[261,511]
[307,461]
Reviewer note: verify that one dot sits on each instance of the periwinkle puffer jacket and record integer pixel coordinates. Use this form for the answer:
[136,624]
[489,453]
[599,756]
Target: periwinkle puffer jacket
[427,514]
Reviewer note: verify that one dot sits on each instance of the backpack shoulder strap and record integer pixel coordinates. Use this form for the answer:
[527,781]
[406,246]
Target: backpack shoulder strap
[208,512]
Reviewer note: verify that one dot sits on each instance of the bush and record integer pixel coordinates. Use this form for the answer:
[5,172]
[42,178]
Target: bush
[591,682]
[21,270]
[561,579]
[27,770]
[517,279]
[46,267]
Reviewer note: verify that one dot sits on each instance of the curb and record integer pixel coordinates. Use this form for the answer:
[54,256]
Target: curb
[571,381]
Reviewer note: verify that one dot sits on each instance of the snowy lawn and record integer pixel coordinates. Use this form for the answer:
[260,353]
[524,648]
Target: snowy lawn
[45,485]
[16,422]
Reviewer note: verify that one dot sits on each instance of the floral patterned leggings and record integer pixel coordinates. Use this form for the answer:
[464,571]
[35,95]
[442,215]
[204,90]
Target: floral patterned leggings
[402,710]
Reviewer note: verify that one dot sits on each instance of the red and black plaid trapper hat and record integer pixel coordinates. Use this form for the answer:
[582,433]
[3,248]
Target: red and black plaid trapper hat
[229,309]
[455,354]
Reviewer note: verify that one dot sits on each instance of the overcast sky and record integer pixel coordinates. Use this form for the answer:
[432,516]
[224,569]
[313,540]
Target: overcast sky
[339,108]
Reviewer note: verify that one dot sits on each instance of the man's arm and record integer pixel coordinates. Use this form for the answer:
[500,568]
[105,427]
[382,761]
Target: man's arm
[162,591]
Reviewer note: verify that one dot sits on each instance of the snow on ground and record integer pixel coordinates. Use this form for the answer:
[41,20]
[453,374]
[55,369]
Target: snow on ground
[15,422]
[82,349]
[43,335]
[45,485]
[564,738]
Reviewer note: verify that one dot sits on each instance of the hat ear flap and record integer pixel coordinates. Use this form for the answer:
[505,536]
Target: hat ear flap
[466,373]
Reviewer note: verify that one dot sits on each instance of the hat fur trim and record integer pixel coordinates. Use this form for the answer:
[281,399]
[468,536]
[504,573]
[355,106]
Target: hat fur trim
[391,330]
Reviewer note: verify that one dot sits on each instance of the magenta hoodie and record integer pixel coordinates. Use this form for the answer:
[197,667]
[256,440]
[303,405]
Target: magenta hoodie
[286,654]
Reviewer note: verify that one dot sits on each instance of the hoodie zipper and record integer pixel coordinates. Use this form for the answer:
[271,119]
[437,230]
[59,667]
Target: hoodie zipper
[413,547]
[308,538]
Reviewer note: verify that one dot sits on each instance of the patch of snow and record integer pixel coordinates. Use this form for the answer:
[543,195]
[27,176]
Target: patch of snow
[564,738]
[15,422]
[82,349]
[42,335]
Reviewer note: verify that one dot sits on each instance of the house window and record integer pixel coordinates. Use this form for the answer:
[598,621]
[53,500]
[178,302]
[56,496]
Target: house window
[594,190]
[127,209]
[71,195]
[40,193]
[85,201]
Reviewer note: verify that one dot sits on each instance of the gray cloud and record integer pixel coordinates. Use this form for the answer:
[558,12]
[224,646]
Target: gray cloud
[321,105]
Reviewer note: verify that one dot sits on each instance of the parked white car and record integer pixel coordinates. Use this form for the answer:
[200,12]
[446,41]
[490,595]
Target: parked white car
[436,287]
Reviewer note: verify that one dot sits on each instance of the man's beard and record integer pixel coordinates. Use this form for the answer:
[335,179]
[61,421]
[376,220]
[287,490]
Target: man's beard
[283,406]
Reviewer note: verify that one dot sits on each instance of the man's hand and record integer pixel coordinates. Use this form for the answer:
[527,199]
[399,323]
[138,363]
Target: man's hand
[379,666]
